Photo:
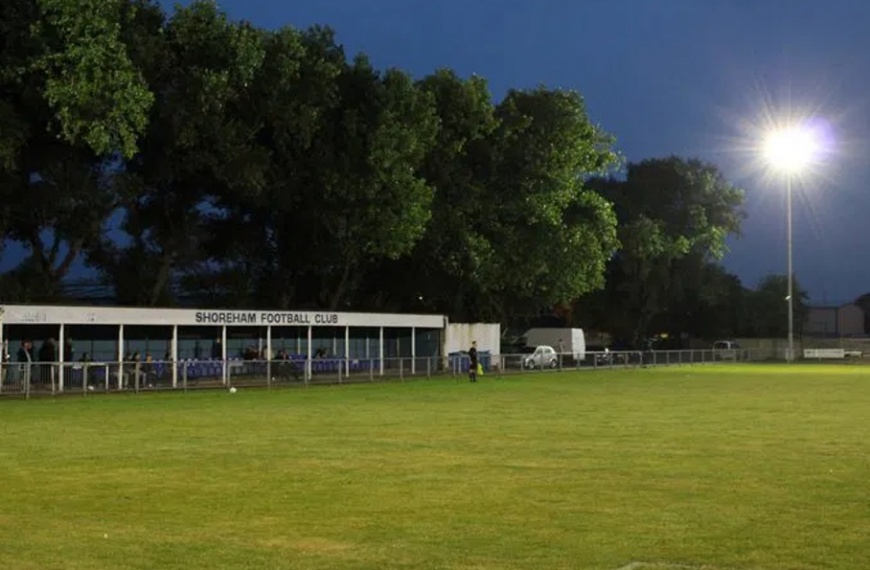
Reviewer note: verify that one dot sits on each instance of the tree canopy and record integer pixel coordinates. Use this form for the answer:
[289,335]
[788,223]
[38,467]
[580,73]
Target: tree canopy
[673,217]
[186,157]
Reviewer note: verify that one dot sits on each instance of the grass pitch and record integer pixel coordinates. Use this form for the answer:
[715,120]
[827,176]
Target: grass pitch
[743,467]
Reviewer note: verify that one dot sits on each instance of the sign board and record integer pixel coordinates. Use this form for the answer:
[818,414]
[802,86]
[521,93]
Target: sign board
[824,353]
[265,318]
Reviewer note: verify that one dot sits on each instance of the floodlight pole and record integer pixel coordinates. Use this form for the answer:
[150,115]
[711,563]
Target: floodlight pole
[790,298]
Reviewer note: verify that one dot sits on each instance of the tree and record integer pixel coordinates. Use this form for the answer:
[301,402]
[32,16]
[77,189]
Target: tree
[344,145]
[551,234]
[252,167]
[667,209]
[254,255]
[443,272]
[55,204]
[67,56]
[703,301]
[70,100]
[546,236]
[514,229]
[768,307]
[199,65]
[864,302]
[368,198]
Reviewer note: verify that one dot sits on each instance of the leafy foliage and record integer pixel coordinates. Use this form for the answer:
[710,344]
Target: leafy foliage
[669,210]
[95,90]
[199,64]
[768,307]
[188,156]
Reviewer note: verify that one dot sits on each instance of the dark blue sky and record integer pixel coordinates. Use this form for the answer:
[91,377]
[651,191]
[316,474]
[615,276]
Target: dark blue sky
[665,76]
[688,77]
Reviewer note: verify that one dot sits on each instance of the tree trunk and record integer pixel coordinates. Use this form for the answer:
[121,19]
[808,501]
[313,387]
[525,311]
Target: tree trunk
[66,264]
[339,292]
[38,252]
[160,281]
[458,310]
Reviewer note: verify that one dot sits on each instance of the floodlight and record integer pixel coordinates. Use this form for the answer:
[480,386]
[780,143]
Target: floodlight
[791,149]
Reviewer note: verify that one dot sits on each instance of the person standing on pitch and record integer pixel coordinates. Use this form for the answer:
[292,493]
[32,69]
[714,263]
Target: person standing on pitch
[472,362]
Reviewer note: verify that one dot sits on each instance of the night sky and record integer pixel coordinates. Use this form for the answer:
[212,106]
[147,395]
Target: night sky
[688,77]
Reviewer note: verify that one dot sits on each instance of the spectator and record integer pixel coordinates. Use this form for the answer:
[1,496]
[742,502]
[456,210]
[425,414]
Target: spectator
[148,371]
[48,351]
[24,353]
[25,358]
[90,371]
[47,358]
[126,371]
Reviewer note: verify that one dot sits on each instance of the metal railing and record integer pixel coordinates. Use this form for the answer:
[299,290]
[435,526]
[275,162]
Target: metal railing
[40,378]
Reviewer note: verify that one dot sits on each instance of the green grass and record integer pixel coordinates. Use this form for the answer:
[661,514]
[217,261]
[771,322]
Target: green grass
[742,467]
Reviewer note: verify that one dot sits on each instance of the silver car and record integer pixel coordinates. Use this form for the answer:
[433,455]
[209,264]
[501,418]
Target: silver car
[725,350]
[543,357]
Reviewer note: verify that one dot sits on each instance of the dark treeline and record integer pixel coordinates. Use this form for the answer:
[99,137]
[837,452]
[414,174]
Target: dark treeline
[243,167]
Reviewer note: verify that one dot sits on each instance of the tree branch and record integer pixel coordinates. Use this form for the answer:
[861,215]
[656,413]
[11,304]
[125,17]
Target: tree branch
[38,249]
[55,248]
[74,249]
[160,280]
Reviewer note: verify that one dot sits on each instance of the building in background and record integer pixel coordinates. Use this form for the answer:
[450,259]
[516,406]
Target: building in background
[835,321]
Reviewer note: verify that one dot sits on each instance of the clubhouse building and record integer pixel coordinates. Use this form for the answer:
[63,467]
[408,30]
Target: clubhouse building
[218,337]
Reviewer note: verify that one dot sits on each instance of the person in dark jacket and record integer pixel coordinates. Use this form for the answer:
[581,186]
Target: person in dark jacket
[472,362]
[47,358]
[25,353]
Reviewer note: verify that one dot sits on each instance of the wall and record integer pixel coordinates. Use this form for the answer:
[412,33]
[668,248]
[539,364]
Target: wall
[845,320]
[850,320]
[821,321]
[776,347]
[458,337]
[761,348]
